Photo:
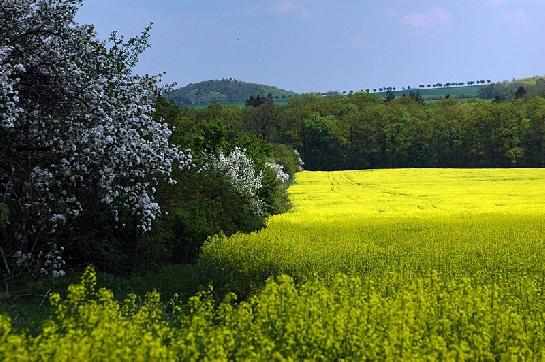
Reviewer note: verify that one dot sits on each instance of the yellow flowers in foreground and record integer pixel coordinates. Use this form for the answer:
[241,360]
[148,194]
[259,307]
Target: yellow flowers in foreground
[383,265]
[349,317]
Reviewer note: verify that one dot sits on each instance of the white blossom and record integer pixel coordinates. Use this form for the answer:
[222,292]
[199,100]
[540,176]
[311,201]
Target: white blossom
[53,262]
[281,175]
[240,171]
[77,116]
[21,258]
[300,163]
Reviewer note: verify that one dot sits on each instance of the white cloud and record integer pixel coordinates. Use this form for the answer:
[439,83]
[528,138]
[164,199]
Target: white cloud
[432,21]
[297,7]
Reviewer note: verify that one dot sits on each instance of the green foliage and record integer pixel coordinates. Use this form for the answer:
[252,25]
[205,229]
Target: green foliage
[335,133]
[274,193]
[200,205]
[262,120]
[4,214]
[530,87]
[283,155]
[196,207]
[321,148]
[431,95]
[389,96]
[259,100]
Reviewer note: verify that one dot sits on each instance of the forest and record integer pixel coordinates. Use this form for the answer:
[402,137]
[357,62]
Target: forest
[363,131]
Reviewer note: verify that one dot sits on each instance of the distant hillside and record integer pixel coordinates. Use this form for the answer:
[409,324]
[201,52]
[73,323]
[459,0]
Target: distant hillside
[534,86]
[432,94]
[223,91]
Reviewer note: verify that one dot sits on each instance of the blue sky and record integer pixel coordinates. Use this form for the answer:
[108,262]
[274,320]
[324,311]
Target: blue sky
[321,45]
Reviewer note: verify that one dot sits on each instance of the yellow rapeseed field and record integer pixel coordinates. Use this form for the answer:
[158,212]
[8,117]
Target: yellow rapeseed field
[473,222]
[347,196]
[423,264]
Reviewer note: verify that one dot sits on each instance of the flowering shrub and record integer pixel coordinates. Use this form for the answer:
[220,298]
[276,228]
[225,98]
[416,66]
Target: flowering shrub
[78,122]
[240,171]
[281,175]
[300,163]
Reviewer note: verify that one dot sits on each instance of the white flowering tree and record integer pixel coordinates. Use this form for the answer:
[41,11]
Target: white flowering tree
[76,122]
[239,170]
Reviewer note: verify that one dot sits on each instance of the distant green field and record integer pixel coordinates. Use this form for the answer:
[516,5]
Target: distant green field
[430,94]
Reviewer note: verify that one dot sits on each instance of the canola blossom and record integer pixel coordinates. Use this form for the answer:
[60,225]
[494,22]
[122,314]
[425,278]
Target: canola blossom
[481,223]
[383,265]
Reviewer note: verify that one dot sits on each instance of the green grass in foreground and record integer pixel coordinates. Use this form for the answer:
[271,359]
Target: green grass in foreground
[390,264]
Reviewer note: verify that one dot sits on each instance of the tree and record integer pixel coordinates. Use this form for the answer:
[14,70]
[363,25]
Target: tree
[521,92]
[389,96]
[259,100]
[79,124]
[262,119]
[320,146]
[417,97]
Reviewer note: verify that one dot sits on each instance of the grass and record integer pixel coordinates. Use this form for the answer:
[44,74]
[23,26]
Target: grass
[408,264]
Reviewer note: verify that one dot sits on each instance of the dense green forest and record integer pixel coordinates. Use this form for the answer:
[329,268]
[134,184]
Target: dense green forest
[363,131]
[223,91]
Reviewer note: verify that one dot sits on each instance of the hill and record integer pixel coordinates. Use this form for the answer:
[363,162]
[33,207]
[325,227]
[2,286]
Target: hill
[225,91]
